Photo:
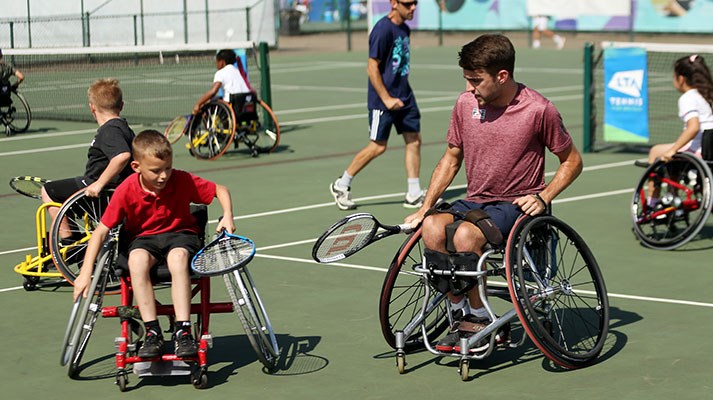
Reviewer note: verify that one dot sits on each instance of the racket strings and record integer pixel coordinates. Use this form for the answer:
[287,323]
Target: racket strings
[347,239]
[223,255]
[28,187]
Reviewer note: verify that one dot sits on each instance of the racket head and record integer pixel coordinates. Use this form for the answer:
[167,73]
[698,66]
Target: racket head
[177,128]
[345,238]
[30,186]
[224,254]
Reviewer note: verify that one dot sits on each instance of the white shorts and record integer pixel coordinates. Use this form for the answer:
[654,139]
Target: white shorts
[540,22]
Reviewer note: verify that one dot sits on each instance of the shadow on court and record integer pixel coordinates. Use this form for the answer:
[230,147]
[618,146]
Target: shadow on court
[227,357]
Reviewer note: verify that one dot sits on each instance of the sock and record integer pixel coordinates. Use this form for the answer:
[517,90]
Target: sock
[653,201]
[345,181]
[414,187]
[183,327]
[152,328]
[536,44]
[557,39]
[480,312]
[461,305]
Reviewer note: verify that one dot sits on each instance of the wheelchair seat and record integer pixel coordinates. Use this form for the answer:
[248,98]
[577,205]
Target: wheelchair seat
[159,273]
[245,107]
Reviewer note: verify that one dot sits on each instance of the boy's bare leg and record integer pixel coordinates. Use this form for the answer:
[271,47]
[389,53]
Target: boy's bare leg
[178,261]
[140,263]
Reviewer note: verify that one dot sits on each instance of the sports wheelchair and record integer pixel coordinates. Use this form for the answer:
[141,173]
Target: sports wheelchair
[683,187]
[544,269]
[112,260]
[58,259]
[15,113]
[245,120]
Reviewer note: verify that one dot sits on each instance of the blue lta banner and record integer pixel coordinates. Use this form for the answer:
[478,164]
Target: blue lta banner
[626,102]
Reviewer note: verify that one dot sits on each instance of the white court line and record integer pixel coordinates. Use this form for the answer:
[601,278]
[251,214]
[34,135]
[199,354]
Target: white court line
[384,270]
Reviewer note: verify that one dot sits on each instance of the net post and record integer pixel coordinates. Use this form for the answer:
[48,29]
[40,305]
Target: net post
[266,94]
[588,93]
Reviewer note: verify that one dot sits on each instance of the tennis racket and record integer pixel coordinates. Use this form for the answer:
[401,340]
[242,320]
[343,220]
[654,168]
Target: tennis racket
[30,186]
[225,253]
[352,234]
[177,127]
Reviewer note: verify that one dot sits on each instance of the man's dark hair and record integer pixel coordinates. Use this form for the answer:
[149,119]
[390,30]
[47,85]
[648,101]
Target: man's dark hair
[226,55]
[490,53]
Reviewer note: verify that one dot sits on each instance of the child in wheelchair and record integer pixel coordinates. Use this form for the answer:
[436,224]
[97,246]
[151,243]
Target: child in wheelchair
[154,207]
[230,79]
[6,72]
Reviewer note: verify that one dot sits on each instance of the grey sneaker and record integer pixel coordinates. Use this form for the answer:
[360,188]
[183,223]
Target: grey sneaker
[343,197]
[414,202]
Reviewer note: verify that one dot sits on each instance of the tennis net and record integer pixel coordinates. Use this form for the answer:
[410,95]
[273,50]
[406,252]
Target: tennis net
[664,124]
[158,82]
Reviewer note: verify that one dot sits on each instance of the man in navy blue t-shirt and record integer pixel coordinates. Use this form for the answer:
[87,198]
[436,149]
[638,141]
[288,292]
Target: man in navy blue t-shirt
[391,103]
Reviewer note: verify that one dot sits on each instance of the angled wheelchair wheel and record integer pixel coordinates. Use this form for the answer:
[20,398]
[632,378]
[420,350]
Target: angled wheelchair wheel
[264,136]
[557,290]
[81,214]
[402,296]
[19,114]
[85,313]
[211,131]
[253,316]
[683,189]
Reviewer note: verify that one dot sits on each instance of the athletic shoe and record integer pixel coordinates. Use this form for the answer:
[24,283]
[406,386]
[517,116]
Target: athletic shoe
[465,328]
[343,197]
[152,347]
[185,344]
[414,202]
[502,336]
[560,43]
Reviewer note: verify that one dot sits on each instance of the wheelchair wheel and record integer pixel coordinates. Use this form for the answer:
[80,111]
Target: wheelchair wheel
[19,114]
[402,296]
[683,186]
[85,313]
[557,290]
[82,214]
[265,136]
[253,316]
[211,132]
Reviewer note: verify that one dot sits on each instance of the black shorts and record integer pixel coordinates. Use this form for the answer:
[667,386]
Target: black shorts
[60,190]
[160,245]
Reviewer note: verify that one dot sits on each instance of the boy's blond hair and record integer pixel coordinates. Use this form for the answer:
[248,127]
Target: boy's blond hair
[106,95]
[151,143]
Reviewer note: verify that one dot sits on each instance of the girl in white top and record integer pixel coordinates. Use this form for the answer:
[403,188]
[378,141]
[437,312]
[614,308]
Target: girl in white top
[691,77]
[227,78]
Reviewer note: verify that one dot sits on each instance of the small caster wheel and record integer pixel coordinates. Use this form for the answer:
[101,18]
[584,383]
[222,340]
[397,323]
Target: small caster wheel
[30,284]
[200,378]
[122,380]
[401,363]
[464,370]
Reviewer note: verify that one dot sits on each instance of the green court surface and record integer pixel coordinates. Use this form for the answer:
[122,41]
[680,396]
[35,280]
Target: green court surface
[326,316]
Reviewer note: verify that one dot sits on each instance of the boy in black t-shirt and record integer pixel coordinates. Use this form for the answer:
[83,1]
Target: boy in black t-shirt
[109,156]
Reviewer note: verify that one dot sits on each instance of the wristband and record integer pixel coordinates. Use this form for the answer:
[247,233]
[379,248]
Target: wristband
[538,197]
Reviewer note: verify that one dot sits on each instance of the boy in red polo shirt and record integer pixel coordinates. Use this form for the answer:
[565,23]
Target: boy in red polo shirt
[154,205]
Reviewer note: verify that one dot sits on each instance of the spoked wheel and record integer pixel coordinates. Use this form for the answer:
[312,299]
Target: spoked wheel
[70,233]
[402,296]
[253,316]
[85,313]
[681,189]
[557,290]
[264,135]
[211,132]
[20,115]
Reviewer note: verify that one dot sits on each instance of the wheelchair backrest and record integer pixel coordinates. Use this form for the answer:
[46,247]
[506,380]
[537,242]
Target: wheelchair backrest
[245,106]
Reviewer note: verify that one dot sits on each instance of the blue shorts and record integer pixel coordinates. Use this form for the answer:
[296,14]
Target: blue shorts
[502,213]
[405,120]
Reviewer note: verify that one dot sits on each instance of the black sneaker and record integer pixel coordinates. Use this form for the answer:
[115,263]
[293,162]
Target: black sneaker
[448,342]
[185,344]
[152,347]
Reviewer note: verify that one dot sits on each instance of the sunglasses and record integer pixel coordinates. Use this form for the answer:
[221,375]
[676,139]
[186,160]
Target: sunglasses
[408,4]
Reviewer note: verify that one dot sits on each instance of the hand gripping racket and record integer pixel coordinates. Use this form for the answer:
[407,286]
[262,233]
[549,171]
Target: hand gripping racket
[225,253]
[29,186]
[352,234]
[177,127]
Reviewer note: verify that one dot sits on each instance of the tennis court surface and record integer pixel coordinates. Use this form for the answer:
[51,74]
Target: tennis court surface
[325,316]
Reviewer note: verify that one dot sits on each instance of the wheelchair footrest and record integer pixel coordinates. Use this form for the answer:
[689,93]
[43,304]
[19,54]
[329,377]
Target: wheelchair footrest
[162,368]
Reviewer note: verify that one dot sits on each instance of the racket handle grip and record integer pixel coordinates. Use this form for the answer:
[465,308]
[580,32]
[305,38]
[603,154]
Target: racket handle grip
[406,228]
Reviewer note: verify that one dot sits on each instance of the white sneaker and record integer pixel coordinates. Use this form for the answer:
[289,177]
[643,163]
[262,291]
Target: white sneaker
[416,201]
[560,43]
[343,197]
